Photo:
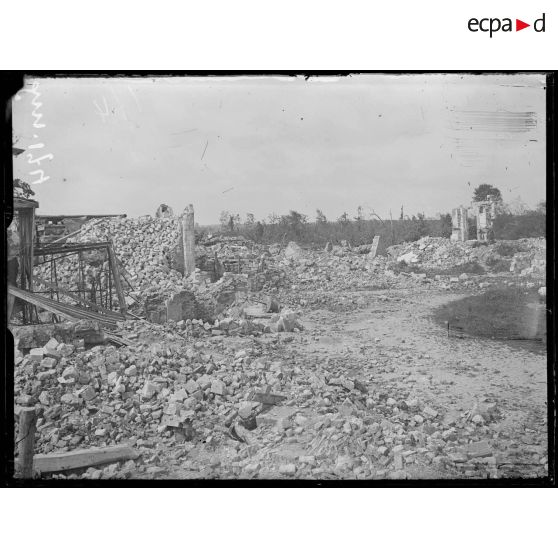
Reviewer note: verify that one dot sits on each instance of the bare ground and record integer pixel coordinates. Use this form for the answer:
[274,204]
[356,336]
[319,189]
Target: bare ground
[390,342]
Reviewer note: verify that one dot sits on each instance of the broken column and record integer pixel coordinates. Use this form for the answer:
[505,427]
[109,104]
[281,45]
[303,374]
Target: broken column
[459,224]
[188,240]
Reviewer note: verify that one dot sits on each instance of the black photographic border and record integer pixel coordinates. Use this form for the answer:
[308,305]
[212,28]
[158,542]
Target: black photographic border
[12,81]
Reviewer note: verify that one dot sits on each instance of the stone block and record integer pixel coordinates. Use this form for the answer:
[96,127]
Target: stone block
[430,412]
[204,381]
[87,393]
[51,344]
[218,387]
[192,386]
[69,374]
[275,416]
[478,449]
[149,390]
[288,469]
[37,354]
[48,362]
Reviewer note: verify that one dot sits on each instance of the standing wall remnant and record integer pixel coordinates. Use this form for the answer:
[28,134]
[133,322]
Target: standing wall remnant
[189,241]
[180,306]
[459,224]
[485,214]
[374,248]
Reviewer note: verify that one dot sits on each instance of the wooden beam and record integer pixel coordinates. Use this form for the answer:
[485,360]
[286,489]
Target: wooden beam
[124,274]
[72,248]
[96,216]
[72,313]
[116,276]
[91,457]
[80,230]
[26,442]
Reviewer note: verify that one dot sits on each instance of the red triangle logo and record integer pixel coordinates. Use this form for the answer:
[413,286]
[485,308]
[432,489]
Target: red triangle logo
[519,25]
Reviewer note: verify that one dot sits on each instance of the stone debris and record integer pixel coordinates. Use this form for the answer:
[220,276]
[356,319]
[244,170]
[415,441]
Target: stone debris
[431,413]
[478,449]
[149,250]
[408,258]
[288,469]
[218,387]
[293,251]
[222,383]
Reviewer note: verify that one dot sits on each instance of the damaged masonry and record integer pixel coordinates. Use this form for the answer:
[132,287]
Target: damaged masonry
[235,370]
[324,288]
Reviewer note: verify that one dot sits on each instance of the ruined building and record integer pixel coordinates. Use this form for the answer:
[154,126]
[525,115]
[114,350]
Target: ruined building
[459,224]
[485,214]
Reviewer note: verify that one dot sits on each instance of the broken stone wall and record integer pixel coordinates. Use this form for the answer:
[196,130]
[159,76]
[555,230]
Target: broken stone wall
[160,308]
[485,215]
[182,306]
[460,224]
[32,336]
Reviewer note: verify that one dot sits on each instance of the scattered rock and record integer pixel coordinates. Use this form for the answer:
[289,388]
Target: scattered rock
[148,391]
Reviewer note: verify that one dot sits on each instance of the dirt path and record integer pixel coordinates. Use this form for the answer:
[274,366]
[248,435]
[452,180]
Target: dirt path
[391,345]
[401,330]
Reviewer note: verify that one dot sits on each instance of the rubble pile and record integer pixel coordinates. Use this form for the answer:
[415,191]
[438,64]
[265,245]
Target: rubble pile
[198,404]
[84,332]
[442,253]
[339,269]
[233,382]
[147,249]
[321,278]
[105,395]
[231,247]
[145,246]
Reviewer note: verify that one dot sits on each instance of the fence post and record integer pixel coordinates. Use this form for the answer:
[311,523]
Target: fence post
[26,443]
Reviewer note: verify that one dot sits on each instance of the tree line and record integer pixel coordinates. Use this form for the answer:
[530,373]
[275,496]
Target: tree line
[514,220]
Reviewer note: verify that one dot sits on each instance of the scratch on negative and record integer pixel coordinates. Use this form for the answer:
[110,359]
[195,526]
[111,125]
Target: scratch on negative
[495,122]
[204,149]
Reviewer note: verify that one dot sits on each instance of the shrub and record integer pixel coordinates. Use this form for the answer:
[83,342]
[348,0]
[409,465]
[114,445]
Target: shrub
[512,227]
[399,267]
[471,268]
[507,250]
[500,266]
[359,231]
[446,226]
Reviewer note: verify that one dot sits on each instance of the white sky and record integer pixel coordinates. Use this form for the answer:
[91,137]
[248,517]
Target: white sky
[265,145]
